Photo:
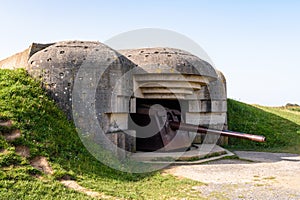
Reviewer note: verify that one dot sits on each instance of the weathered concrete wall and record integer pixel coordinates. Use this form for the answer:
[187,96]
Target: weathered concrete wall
[97,70]
[169,60]
[57,67]
[20,60]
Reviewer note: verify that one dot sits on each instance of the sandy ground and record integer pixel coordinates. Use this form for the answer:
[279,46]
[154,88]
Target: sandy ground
[257,175]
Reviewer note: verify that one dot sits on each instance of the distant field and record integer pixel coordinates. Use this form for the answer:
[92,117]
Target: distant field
[290,113]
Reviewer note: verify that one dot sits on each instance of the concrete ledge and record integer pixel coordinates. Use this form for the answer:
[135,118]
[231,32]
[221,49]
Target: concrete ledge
[203,153]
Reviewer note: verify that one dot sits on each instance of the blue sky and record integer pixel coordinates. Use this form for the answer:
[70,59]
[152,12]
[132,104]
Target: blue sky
[256,44]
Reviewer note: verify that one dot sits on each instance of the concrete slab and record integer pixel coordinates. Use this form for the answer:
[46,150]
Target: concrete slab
[199,154]
[266,156]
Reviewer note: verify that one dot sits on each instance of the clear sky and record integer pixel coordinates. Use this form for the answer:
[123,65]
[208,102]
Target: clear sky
[256,44]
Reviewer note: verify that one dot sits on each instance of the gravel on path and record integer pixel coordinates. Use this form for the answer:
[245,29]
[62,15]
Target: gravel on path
[256,175]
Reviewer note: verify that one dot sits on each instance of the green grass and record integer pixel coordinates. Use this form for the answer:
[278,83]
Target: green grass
[280,125]
[47,132]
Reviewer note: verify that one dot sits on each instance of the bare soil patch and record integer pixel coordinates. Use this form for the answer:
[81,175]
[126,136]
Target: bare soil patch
[41,164]
[7,123]
[23,151]
[75,186]
[15,134]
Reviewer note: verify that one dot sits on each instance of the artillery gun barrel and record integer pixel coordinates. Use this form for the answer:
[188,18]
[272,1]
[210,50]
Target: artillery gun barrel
[199,129]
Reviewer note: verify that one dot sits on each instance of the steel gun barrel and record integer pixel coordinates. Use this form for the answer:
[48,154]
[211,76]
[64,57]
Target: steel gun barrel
[199,129]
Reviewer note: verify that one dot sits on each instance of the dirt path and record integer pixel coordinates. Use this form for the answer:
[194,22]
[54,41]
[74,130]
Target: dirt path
[264,176]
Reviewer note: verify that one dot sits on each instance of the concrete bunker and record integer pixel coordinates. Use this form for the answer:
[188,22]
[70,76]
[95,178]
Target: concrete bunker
[181,86]
[130,84]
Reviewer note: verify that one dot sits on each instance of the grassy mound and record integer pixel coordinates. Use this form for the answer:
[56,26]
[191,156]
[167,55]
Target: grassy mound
[280,125]
[47,132]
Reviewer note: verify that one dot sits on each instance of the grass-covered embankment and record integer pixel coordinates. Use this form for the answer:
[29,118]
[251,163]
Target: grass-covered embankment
[47,132]
[280,125]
